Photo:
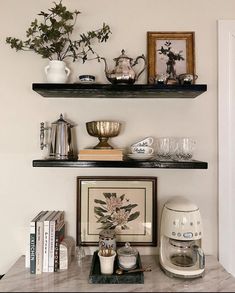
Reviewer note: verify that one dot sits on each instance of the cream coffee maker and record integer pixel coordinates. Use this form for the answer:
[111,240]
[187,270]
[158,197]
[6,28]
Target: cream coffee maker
[181,254]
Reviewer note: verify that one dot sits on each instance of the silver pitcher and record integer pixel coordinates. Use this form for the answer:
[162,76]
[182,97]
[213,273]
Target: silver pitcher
[123,72]
[60,143]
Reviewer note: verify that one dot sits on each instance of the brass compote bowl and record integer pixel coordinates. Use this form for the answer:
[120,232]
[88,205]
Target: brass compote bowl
[103,130]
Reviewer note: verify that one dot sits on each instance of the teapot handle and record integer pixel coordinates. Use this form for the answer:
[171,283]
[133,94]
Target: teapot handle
[46,69]
[67,70]
[136,62]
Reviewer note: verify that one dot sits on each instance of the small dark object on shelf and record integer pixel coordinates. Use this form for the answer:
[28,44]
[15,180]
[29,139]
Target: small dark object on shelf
[86,78]
[96,277]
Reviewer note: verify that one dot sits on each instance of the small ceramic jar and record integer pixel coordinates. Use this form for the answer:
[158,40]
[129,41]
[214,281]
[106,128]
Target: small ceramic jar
[107,239]
[127,257]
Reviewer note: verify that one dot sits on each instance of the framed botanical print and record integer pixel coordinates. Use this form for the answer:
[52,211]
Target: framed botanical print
[170,53]
[126,204]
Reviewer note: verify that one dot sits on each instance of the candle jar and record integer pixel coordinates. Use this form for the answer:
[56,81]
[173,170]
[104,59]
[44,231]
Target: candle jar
[107,239]
[127,257]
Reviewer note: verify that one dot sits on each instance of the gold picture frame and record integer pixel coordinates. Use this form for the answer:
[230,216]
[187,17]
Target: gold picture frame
[179,46]
[101,199]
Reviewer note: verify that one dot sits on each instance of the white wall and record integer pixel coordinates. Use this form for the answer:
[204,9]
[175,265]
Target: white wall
[226,143]
[25,190]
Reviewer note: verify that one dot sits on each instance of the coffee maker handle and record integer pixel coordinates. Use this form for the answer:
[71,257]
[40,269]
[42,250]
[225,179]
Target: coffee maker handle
[200,255]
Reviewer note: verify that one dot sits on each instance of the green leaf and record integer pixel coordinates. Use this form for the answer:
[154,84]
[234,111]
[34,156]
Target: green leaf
[99,213]
[99,201]
[99,209]
[122,197]
[133,216]
[129,206]
[107,194]
[103,219]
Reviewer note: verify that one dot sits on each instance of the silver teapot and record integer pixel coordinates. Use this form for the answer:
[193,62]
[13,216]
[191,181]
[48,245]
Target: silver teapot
[60,143]
[123,72]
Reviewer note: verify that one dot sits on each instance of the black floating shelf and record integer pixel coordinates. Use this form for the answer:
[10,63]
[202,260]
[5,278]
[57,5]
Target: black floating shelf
[76,90]
[122,164]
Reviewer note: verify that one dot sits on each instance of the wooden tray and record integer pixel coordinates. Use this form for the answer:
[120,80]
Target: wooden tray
[96,277]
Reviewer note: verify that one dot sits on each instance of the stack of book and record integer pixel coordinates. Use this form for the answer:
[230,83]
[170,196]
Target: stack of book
[101,155]
[47,230]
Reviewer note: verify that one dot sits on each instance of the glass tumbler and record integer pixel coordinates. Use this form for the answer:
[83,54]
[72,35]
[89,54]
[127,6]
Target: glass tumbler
[165,147]
[185,147]
[79,253]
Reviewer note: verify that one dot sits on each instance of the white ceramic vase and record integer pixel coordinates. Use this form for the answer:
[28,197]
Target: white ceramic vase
[57,72]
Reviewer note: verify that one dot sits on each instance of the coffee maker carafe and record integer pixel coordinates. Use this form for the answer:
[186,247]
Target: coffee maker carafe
[60,140]
[181,254]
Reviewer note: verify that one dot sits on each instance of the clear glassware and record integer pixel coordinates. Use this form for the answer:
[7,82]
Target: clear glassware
[165,148]
[127,257]
[185,147]
[79,253]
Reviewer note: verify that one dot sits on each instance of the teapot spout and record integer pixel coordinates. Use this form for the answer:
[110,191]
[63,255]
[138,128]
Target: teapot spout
[106,70]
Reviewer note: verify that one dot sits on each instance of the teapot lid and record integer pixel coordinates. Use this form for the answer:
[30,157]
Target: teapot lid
[123,55]
[61,120]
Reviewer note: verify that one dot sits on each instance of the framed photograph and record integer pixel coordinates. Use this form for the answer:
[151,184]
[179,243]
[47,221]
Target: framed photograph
[170,53]
[126,204]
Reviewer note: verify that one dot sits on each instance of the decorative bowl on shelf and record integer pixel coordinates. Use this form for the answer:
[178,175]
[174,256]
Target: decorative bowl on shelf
[86,78]
[103,130]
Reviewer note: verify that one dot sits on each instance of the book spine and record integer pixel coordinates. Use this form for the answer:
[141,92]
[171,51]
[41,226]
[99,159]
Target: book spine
[32,248]
[59,236]
[46,247]
[39,247]
[51,247]
[56,257]
[32,243]
[101,152]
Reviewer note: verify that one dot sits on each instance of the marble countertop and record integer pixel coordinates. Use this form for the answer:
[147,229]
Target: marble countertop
[75,279]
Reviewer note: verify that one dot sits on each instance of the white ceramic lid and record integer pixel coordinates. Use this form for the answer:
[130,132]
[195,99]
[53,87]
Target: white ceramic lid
[180,203]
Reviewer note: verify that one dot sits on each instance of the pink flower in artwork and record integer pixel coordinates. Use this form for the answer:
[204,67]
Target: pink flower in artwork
[115,211]
[120,218]
[113,203]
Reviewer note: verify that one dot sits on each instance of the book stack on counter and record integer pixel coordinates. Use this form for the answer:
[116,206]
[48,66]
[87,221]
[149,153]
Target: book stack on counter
[101,155]
[47,231]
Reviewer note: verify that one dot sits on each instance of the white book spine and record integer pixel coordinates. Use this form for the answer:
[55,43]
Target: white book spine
[39,247]
[51,246]
[46,247]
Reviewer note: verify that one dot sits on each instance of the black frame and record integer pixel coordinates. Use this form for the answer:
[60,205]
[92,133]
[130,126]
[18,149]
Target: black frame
[153,181]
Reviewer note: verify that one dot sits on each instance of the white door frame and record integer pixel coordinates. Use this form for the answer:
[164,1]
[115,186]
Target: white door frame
[226,143]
